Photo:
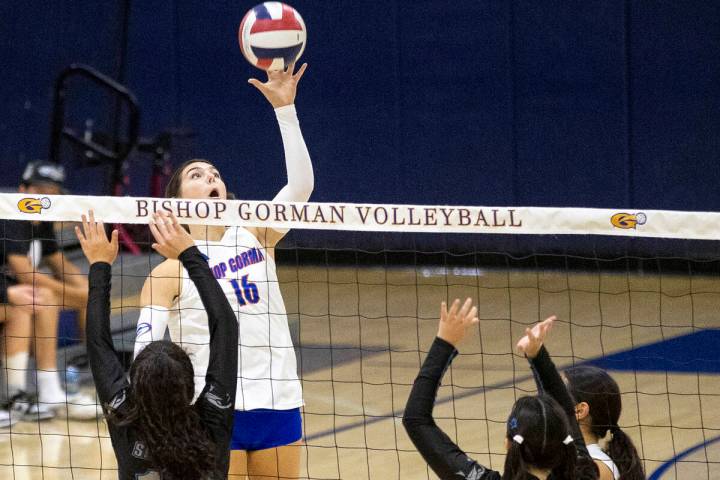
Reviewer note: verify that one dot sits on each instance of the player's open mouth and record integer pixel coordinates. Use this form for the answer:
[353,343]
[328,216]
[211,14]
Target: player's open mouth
[214,193]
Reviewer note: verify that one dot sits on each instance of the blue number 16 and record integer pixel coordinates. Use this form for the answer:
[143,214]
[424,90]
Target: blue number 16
[247,293]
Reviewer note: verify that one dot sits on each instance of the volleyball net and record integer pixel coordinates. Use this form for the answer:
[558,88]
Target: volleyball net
[636,293]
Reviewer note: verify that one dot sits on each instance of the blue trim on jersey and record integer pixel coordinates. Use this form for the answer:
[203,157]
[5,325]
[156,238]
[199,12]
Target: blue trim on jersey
[263,428]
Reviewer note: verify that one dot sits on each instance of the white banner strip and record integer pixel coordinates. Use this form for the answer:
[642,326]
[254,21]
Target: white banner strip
[370,217]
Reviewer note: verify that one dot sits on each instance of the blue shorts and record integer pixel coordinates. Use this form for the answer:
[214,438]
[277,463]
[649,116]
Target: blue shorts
[262,428]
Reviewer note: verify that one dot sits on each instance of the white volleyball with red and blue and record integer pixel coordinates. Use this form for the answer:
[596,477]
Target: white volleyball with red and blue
[272,35]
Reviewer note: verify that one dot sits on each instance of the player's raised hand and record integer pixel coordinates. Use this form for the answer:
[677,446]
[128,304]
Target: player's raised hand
[94,242]
[170,237]
[455,322]
[534,337]
[281,85]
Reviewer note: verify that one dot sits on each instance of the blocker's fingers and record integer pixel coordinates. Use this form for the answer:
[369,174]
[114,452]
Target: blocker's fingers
[531,335]
[161,217]
[160,225]
[93,226]
[454,307]
[466,307]
[443,311]
[80,236]
[101,229]
[472,314]
[549,326]
[172,228]
[155,232]
[173,224]
[86,227]
[173,219]
[114,239]
[162,229]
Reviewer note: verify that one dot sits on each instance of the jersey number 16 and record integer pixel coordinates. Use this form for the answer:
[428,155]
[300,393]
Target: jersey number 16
[245,291]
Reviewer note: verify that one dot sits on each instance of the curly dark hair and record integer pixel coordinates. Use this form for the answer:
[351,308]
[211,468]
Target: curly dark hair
[159,410]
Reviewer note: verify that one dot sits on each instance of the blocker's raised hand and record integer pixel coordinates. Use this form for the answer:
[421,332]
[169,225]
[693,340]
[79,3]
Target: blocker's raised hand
[281,85]
[455,322]
[94,242]
[170,237]
[534,337]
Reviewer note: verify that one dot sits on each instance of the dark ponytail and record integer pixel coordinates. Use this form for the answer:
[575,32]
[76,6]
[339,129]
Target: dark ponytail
[623,452]
[515,468]
[595,387]
[538,433]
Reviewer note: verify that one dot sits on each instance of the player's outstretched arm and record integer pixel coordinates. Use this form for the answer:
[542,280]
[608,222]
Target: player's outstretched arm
[442,454]
[280,90]
[173,241]
[548,381]
[547,377]
[100,252]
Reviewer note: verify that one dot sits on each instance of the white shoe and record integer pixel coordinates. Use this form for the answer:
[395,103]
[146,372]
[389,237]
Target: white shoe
[79,406]
[25,407]
[6,419]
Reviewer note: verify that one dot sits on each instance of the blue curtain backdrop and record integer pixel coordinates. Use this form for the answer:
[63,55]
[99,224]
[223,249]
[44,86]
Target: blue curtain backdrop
[603,103]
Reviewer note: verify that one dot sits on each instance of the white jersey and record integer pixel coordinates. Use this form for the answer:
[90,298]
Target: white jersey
[599,454]
[267,368]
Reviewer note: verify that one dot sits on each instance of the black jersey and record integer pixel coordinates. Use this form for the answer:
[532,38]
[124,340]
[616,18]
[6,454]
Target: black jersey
[215,403]
[446,459]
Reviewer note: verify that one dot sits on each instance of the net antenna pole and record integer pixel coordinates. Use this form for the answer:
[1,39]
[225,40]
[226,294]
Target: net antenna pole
[117,149]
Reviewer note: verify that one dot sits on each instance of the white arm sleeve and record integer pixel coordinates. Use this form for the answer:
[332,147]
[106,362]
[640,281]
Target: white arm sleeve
[151,326]
[301,180]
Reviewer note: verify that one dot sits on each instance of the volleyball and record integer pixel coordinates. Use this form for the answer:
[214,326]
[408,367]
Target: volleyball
[272,35]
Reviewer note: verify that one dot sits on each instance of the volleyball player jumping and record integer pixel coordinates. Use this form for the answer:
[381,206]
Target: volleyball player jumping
[267,427]
[542,438]
[155,431]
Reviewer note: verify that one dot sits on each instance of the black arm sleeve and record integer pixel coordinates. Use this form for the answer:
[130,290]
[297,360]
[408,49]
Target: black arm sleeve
[215,403]
[222,366]
[106,368]
[439,451]
[548,381]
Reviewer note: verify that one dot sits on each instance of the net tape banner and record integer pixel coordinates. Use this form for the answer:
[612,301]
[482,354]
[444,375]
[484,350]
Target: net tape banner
[370,217]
